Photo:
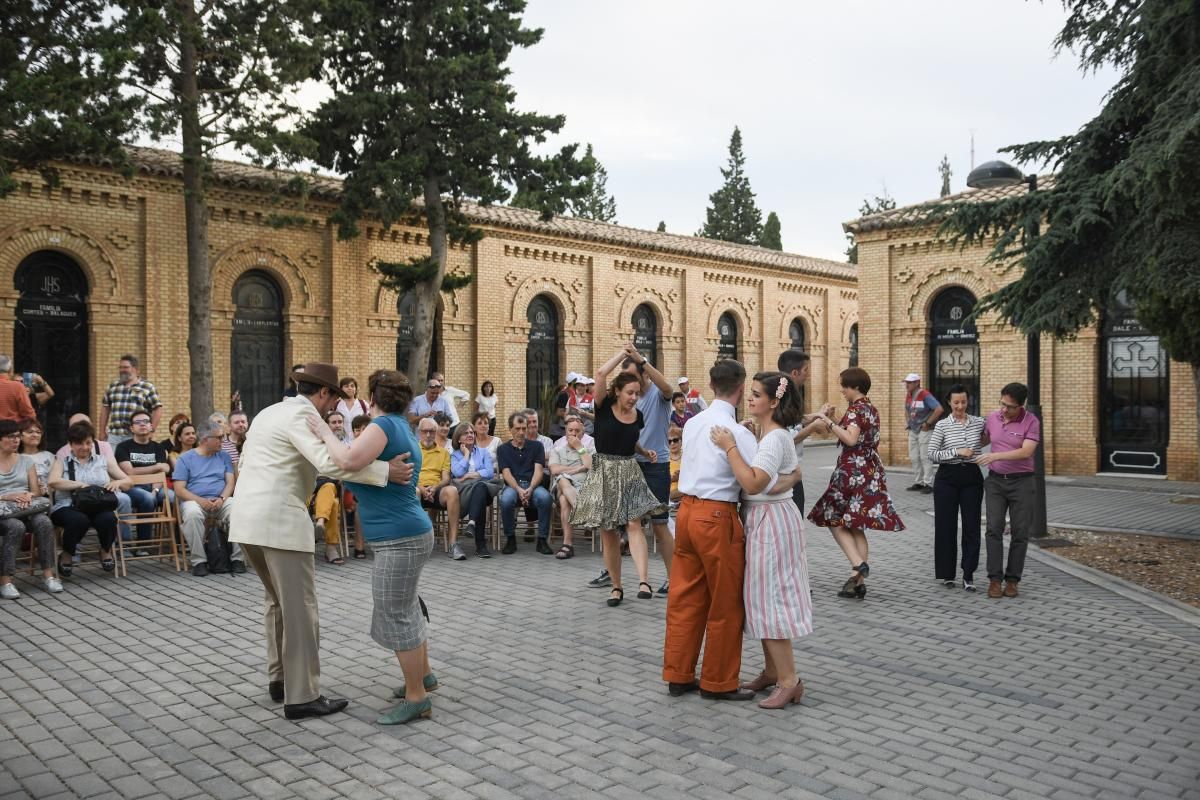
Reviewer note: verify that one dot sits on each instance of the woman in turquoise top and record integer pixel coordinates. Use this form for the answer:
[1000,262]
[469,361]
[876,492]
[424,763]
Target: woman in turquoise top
[401,534]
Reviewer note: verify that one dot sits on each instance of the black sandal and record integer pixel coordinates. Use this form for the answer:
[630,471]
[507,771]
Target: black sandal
[108,564]
[566,551]
[616,601]
[849,588]
[66,569]
[646,595]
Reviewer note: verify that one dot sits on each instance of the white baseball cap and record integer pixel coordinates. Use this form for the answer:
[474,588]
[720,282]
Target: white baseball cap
[573,377]
[585,380]
[683,380]
[912,376]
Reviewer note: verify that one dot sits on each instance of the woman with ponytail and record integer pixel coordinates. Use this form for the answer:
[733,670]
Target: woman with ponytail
[778,604]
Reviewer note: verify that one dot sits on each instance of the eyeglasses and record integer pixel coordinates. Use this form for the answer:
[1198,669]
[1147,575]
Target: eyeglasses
[140,422]
[12,435]
[1012,407]
[674,441]
[437,386]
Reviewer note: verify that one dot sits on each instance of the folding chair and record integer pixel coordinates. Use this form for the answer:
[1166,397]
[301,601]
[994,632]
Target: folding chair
[165,525]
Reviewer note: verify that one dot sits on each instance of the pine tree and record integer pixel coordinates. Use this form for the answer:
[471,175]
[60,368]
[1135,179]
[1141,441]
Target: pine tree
[732,214]
[421,118]
[882,202]
[597,204]
[944,171]
[662,226]
[771,235]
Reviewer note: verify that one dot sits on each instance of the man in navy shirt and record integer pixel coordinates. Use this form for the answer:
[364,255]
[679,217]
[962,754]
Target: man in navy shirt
[522,463]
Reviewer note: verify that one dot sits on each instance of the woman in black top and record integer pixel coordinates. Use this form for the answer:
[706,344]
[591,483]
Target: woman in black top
[615,492]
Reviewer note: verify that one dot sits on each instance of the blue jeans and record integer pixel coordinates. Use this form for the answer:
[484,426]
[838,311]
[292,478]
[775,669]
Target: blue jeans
[508,510]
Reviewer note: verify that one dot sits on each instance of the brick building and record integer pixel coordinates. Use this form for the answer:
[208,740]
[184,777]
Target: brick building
[1112,401]
[96,267]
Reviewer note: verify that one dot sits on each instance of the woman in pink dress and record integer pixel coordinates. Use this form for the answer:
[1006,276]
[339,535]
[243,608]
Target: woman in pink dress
[857,498]
[778,604]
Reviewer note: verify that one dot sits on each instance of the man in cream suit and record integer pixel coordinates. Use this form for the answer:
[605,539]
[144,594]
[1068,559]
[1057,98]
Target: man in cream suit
[280,462]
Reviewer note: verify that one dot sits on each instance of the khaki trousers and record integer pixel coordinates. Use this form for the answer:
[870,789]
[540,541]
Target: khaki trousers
[292,625]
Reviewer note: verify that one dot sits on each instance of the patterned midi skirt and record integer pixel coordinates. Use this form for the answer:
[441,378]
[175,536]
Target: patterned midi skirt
[778,605]
[614,493]
[397,622]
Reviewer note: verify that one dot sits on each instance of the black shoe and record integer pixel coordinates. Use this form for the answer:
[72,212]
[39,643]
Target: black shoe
[482,551]
[662,590]
[680,689]
[65,569]
[601,580]
[200,570]
[543,547]
[276,690]
[510,546]
[736,694]
[926,489]
[237,567]
[916,487]
[316,708]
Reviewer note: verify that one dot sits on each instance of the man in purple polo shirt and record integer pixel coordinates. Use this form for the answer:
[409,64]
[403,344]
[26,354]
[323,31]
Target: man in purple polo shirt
[1014,434]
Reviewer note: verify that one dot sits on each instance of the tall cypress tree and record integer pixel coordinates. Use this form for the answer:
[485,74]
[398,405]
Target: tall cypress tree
[944,171]
[732,214]
[771,237]
[597,204]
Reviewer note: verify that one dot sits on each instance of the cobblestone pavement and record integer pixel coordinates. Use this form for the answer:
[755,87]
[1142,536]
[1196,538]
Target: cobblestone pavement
[154,685]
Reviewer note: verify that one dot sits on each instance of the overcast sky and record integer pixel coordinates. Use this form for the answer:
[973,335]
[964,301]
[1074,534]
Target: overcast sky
[834,99]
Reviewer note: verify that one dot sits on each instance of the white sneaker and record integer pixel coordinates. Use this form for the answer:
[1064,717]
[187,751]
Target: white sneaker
[9,592]
[53,585]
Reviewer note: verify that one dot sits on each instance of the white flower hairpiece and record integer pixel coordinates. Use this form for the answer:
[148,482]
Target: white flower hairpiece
[779,392]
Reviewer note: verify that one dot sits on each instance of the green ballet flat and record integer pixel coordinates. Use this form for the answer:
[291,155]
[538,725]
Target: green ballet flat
[407,712]
[430,682]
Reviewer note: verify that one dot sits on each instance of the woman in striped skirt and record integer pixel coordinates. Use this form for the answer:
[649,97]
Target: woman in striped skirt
[778,604]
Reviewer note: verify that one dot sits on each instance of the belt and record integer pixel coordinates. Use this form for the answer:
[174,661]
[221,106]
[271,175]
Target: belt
[1010,476]
[690,498]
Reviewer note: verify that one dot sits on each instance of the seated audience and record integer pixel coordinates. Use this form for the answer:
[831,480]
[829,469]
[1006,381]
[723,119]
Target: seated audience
[587,439]
[443,430]
[124,504]
[84,465]
[173,426]
[472,470]
[141,455]
[569,465]
[483,439]
[337,423]
[433,484]
[239,423]
[31,445]
[20,486]
[184,439]
[204,479]
[522,464]
[681,413]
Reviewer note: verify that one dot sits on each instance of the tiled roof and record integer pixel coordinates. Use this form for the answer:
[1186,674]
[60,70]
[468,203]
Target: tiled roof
[919,212]
[167,163]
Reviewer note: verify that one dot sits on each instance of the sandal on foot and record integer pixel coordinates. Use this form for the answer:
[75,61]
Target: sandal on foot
[566,551]
[360,553]
[646,595]
[620,595]
[108,564]
[849,588]
[337,561]
[66,569]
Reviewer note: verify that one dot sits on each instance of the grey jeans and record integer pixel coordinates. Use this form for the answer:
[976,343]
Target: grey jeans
[1014,495]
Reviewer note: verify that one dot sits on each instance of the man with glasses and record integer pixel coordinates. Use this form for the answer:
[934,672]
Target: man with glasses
[141,455]
[1009,489]
[127,394]
[425,406]
[433,483]
[204,482]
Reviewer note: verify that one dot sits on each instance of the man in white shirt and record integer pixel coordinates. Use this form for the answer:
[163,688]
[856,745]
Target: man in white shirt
[707,572]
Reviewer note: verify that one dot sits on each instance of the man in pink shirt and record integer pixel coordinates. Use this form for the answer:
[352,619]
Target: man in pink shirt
[1014,434]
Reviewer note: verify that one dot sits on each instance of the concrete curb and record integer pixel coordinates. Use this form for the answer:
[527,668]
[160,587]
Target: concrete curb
[1079,526]
[1131,591]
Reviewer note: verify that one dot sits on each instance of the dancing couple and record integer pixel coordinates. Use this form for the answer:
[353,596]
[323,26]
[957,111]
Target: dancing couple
[727,575]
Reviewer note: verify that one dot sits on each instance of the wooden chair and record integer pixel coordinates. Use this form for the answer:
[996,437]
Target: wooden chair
[165,522]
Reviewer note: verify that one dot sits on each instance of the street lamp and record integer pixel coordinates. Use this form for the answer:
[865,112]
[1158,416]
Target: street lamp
[994,175]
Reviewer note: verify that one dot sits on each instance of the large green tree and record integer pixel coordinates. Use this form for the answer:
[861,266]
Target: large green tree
[211,76]
[421,118]
[771,236]
[596,202]
[1122,210]
[732,214]
[60,92]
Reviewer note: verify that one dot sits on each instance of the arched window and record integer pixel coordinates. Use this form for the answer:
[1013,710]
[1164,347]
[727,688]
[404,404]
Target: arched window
[50,336]
[645,332]
[953,345]
[796,334]
[541,356]
[727,333]
[256,351]
[853,345]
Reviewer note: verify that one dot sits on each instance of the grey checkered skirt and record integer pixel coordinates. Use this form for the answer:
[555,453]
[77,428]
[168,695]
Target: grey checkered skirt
[396,622]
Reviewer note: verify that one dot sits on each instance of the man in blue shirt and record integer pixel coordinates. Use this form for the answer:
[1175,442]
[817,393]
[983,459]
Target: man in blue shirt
[204,485]
[522,462]
[429,404]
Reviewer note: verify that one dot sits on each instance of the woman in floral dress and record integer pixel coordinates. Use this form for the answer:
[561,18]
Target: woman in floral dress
[857,498]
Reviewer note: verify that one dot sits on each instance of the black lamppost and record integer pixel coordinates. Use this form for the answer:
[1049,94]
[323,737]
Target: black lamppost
[993,175]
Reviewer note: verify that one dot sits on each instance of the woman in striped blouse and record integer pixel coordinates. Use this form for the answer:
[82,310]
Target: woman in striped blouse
[957,489]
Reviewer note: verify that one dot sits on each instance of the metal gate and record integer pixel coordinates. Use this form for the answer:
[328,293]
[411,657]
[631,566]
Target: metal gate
[1134,395]
[645,333]
[256,352]
[541,356]
[953,345]
[727,332]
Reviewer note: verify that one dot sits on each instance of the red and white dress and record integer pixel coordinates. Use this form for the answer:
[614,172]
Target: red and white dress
[778,604]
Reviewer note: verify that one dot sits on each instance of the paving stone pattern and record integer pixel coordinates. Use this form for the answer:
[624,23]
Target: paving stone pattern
[154,686]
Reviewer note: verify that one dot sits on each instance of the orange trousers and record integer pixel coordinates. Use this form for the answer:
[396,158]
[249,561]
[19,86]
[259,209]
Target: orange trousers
[706,605]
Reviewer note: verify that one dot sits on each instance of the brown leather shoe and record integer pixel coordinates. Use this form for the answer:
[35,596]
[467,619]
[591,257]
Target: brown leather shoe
[1010,588]
[994,589]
